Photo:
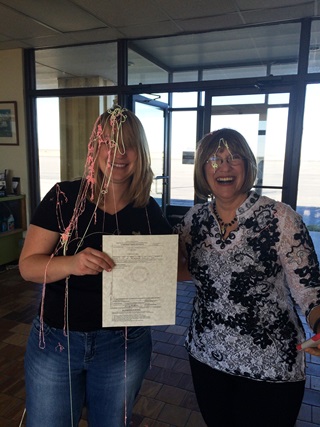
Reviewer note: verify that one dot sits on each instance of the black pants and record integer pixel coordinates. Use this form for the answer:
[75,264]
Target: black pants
[230,401]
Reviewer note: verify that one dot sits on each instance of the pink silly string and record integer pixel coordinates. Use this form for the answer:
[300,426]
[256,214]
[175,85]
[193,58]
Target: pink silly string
[97,138]
[117,118]
[62,244]
[87,189]
[109,134]
[42,342]
[59,347]
[65,309]
[58,206]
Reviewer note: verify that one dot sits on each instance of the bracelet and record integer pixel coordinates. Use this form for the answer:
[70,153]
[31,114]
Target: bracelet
[315,326]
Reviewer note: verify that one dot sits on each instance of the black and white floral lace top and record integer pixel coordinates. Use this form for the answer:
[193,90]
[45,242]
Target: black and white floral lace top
[244,320]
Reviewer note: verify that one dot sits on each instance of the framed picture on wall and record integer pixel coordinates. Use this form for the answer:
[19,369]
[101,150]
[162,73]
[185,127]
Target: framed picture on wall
[8,123]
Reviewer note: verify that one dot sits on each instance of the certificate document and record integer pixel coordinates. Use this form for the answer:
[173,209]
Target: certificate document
[141,288]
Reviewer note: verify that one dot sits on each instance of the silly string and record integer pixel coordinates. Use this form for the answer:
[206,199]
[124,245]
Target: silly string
[223,144]
[99,136]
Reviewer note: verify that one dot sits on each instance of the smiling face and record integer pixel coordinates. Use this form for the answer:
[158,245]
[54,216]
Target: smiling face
[118,153]
[224,175]
[218,177]
[117,163]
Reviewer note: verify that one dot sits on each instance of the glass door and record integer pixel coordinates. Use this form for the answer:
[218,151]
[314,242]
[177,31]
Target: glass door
[153,116]
[308,202]
[262,119]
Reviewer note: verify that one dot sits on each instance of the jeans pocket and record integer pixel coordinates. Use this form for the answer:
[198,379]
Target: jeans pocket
[36,327]
[137,333]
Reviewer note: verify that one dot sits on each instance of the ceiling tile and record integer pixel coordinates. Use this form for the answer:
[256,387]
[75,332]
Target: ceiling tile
[281,14]
[17,26]
[124,12]
[211,23]
[98,35]
[58,14]
[152,29]
[270,4]
[182,9]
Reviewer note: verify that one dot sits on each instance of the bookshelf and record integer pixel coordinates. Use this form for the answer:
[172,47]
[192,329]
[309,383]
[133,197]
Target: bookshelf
[11,237]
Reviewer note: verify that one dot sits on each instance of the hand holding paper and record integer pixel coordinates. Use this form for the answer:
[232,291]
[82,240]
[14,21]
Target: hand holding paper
[141,289]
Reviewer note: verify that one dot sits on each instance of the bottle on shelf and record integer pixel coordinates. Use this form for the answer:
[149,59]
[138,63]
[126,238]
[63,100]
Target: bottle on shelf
[4,224]
[10,223]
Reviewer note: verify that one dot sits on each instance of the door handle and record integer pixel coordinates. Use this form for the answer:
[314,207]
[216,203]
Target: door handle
[160,178]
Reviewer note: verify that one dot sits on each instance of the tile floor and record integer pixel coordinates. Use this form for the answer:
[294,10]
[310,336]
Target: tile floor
[166,398]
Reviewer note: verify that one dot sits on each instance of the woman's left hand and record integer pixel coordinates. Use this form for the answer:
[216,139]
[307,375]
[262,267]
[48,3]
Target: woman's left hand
[314,351]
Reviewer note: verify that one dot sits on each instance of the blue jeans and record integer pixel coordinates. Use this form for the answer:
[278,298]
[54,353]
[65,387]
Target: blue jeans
[105,375]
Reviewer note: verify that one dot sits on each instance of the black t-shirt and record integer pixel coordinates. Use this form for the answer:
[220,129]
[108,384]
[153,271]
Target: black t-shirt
[85,292]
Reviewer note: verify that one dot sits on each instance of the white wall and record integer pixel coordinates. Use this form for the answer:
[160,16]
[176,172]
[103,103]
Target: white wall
[14,157]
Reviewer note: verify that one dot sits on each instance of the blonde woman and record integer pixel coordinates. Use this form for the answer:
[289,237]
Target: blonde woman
[71,361]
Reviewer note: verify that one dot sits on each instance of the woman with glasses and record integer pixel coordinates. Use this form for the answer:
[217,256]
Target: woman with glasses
[251,259]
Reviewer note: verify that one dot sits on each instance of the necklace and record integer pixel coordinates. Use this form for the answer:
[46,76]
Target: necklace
[223,225]
[116,215]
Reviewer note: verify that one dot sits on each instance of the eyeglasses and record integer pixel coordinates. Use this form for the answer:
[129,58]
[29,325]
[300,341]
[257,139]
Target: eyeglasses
[233,160]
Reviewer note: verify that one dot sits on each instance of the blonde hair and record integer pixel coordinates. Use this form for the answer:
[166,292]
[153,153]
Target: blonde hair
[126,130]
[209,144]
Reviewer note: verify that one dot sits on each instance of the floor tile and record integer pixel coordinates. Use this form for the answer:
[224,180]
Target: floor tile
[166,398]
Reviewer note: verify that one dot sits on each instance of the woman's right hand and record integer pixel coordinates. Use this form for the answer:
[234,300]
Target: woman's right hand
[90,261]
[38,264]
[314,351]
